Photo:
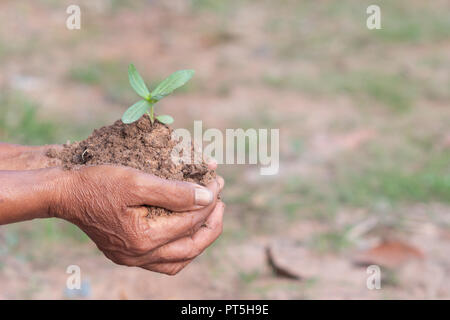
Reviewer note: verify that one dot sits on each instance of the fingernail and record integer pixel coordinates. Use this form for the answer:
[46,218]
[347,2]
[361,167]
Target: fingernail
[203,196]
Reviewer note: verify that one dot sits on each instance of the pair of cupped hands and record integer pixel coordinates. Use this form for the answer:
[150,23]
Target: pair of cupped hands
[108,203]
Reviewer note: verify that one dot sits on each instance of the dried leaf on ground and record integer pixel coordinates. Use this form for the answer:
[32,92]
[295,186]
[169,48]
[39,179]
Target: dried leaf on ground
[391,254]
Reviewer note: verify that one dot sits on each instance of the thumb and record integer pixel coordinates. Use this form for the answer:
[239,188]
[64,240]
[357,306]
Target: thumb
[175,195]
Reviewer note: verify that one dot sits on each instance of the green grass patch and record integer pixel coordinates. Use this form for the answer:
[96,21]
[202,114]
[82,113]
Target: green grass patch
[54,230]
[22,122]
[3,49]
[109,75]
[331,241]
[216,6]
[397,183]
[248,277]
[394,91]
[19,122]
[403,22]
[374,180]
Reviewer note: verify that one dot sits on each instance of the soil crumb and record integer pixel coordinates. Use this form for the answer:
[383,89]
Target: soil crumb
[140,145]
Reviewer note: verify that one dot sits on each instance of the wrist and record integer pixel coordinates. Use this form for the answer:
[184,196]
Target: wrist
[60,186]
[30,194]
[50,188]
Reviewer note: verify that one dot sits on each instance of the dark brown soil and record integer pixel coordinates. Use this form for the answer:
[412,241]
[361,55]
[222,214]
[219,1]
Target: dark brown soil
[140,145]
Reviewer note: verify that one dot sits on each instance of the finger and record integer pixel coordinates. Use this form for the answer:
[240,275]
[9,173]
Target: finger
[172,195]
[165,229]
[150,248]
[188,247]
[170,269]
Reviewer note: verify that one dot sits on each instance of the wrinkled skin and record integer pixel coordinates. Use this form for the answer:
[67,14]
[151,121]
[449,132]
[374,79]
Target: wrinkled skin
[107,203]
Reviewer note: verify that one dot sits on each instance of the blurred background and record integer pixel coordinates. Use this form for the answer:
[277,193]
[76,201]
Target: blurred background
[364,118]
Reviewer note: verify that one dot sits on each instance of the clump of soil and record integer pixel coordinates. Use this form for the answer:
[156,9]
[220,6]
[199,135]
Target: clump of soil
[140,145]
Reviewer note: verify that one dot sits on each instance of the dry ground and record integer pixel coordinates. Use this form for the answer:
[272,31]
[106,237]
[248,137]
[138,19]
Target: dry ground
[364,126]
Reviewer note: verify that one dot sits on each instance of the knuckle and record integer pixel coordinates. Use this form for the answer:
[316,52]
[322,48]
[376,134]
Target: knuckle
[139,247]
[123,261]
[173,270]
[148,267]
[178,185]
[183,190]
[127,262]
[194,252]
[216,227]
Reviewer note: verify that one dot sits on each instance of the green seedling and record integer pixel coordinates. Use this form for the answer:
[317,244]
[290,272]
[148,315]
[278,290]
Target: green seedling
[166,87]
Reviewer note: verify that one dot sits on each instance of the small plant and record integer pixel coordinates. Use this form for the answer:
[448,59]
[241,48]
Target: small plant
[166,87]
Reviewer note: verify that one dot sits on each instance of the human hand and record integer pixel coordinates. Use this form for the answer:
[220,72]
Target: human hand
[107,203]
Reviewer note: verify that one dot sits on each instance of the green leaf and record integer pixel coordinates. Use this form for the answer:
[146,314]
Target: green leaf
[165,119]
[137,83]
[174,81]
[136,111]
